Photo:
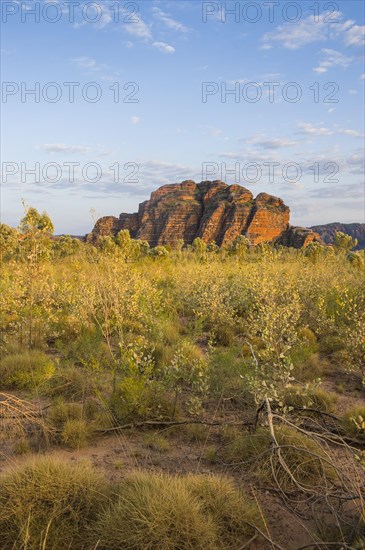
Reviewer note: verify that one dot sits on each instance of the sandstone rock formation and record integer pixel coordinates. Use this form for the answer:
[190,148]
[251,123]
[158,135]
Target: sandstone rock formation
[297,237]
[211,210]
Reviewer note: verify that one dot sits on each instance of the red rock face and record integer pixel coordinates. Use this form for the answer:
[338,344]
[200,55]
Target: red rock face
[109,225]
[211,210]
[298,237]
[270,219]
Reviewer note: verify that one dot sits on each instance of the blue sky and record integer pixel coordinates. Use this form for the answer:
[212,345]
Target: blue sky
[160,55]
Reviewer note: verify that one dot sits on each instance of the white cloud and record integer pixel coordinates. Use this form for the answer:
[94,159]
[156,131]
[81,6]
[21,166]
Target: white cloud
[354,190]
[277,143]
[85,62]
[92,67]
[215,132]
[261,140]
[135,120]
[332,58]
[169,21]
[211,131]
[104,21]
[311,130]
[63,148]
[100,15]
[320,70]
[293,36]
[315,29]
[138,29]
[164,47]
[355,162]
[355,36]
[351,133]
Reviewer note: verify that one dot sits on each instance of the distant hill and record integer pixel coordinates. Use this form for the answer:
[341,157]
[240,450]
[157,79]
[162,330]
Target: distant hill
[328,231]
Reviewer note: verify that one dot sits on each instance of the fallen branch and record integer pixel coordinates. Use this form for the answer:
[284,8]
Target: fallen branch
[168,423]
[274,544]
[340,545]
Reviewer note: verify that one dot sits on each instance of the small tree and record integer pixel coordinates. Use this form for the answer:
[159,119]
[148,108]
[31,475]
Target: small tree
[107,245]
[35,231]
[159,252]
[142,247]
[67,246]
[199,248]
[212,247]
[179,245]
[124,242]
[8,241]
[240,246]
[344,243]
[313,251]
[356,259]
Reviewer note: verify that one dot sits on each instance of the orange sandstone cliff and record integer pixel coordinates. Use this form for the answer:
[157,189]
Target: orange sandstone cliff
[211,210]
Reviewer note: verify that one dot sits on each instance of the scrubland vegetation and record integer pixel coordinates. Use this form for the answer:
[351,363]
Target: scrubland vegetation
[252,358]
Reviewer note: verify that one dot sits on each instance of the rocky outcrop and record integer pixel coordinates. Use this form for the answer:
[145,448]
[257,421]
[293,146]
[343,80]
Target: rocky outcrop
[328,232]
[211,210]
[298,237]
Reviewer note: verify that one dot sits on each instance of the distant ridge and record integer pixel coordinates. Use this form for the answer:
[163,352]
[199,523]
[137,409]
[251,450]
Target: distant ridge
[328,231]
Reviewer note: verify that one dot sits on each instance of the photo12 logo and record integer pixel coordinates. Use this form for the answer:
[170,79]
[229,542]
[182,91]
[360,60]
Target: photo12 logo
[68,92]
[246,11]
[70,172]
[253,172]
[74,12]
[270,92]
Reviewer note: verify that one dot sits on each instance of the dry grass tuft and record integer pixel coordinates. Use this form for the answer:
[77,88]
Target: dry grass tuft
[161,512]
[27,370]
[156,442]
[47,504]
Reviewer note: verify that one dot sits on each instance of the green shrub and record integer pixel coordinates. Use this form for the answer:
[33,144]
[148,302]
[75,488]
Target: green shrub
[210,454]
[47,504]
[70,382]
[308,337]
[308,366]
[88,346]
[331,344]
[156,442]
[353,422]
[21,446]
[194,433]
[225,370]
[310,397]
[62,411]
[162,353]
[27,370]
[138,399]
[76,433]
